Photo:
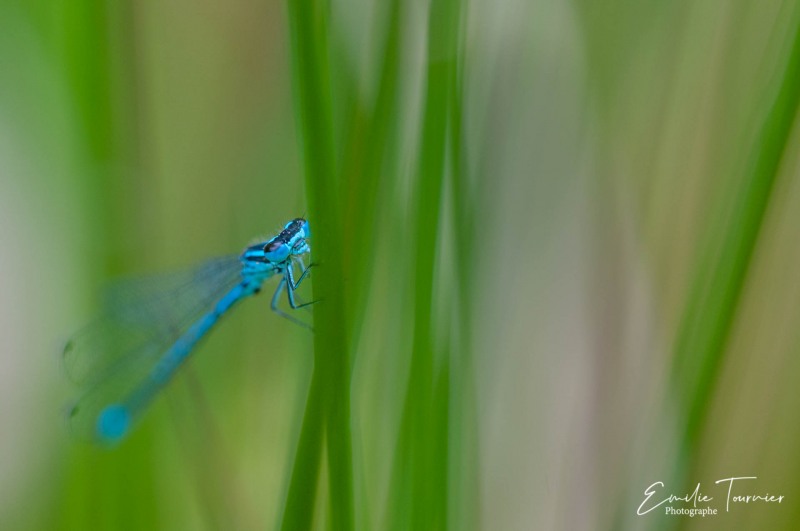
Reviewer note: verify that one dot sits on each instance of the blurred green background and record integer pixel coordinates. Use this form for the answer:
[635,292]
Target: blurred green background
[558,246]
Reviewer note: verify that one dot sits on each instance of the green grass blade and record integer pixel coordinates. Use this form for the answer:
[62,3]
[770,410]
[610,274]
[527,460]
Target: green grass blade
[421,463]
[305,471]
[722,275]
[462,421]
[331,383]
[371,172]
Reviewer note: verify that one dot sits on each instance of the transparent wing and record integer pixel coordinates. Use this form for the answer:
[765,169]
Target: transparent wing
[140,319]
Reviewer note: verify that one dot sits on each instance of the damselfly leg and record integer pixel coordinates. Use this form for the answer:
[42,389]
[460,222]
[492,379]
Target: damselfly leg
[291,286]
[288,283]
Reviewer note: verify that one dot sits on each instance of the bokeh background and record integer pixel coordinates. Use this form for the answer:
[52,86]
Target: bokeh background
[604,195]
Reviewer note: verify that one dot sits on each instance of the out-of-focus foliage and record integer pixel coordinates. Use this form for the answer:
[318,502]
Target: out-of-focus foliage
[556,244]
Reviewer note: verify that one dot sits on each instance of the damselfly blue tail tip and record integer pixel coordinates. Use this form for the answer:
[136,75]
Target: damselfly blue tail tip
[113,423]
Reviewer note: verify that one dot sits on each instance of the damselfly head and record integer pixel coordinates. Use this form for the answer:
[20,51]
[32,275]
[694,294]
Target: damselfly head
[297,228]
[300,225]
[290,241]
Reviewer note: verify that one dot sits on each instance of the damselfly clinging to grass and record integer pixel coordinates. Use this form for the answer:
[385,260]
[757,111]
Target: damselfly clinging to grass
[149,328]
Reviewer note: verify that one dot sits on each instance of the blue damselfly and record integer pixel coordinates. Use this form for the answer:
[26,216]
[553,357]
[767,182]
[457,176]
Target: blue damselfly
[149,327]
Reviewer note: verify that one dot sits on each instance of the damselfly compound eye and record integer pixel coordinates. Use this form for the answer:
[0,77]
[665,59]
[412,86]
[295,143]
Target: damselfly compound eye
[272,246]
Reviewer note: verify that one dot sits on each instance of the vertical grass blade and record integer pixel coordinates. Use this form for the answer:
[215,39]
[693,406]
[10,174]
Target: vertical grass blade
[463,409]
[370,153]
[422,452]
[722,274]
[329,397]
[297,512]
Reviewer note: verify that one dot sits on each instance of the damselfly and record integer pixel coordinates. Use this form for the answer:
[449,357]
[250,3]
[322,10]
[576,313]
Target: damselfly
[149,327]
